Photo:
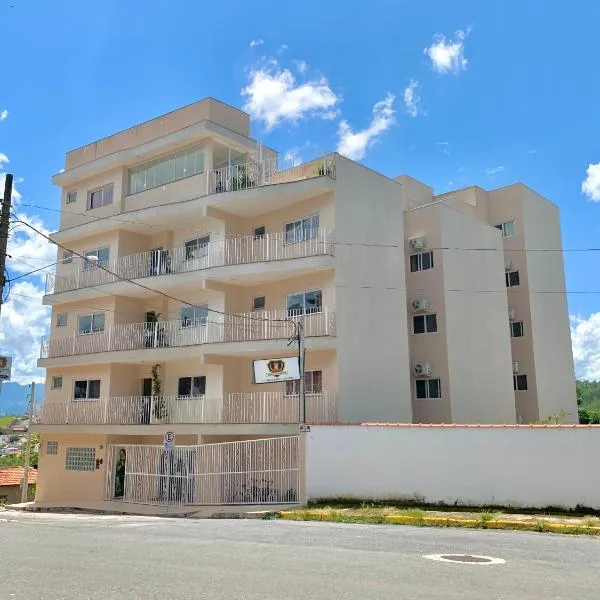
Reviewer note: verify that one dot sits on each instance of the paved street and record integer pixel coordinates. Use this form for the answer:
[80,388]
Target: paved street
[64,557]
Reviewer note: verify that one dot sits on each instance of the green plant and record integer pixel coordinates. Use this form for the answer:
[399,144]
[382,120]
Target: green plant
[160,405]
[556,418]
[591,522]
[326,167]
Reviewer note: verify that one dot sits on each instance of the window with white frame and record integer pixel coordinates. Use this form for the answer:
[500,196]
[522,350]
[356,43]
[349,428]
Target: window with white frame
[93,323]
[191,386]
[51,447]
[421,261]
[428,388]
[100,197]
[62,319]
[80,459]
[197,248]
[313,384]
[67,257]
[57,382]
[507,228]
[516,329]
[259,303]
[304,303]
[520,383]
[193,315]
[167,169]
[71,197]
[102,254]
[512,278]
[86,389]
[425,323]
[302,229]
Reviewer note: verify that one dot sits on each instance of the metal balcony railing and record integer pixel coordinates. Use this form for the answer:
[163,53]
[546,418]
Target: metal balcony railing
[219,252]
[243,327]
[252,407]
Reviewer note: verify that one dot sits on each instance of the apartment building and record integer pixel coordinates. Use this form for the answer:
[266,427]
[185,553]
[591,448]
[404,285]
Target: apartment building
[186,252]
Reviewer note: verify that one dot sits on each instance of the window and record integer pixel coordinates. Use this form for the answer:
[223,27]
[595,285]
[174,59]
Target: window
[516,329]
[507,228]
[71,197]
[103,255]
[520,383]
[57,381]
[67,257]
[313,384]
[87,389]
[304,303]
[194,315]
[259,232]
[166,169]
[425,323]
[421,261]
[100,197]
[191,386]
[428,388]
[80,459]
[259,303]
[303,229]
[197,248]
[61,319]
[91,323]
[51,447]
[512,278]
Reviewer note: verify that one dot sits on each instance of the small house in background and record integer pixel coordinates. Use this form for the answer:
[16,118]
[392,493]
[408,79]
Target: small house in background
[10,484]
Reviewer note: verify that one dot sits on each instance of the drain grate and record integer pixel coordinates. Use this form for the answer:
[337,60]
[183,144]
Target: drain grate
[468,559]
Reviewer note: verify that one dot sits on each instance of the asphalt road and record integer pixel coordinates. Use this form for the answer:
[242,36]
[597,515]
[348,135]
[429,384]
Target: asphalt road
[64,557]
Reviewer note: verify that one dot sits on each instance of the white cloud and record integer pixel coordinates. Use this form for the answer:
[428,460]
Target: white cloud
[3,115]
[494,170]
[282,48]
[591,185]
[301,65]
[447,54]
[412,100]
[585,335]
[292,157]
[274,96]
[354,145]
[23,323]
[258,42]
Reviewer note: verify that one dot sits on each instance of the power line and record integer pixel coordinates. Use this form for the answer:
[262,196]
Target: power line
[154,291]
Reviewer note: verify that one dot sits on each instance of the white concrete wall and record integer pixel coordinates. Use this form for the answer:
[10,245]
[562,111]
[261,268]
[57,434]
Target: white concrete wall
[527,466]
[373,361]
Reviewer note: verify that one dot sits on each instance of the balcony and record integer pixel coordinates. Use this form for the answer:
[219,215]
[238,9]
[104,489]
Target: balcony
[242,327]
[243,408]
[216,253]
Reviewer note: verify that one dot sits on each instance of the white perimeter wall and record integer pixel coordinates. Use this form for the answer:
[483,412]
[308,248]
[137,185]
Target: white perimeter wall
[505,466]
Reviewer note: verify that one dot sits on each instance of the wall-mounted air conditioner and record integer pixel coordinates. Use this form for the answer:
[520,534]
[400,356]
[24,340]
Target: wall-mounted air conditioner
[422,370]
[417,243]
[419,304]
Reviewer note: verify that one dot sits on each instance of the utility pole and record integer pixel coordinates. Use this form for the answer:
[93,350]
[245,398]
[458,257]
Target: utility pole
[301,352]
[25,488]
[4,222]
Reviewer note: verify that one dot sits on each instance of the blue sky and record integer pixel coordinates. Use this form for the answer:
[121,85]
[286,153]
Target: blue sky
[501,92]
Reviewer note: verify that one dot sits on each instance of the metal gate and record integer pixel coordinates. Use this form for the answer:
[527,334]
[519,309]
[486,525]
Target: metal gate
[250,472]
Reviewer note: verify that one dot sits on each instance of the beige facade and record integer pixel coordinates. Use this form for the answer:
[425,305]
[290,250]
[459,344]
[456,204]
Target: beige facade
[184,244]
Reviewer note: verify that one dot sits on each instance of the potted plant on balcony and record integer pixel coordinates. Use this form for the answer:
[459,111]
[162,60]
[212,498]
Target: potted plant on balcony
[159,404]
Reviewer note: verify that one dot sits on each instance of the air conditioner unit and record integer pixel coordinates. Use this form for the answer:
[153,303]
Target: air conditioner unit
[419,304]
[422,370]
[512,313]
[417,243]
[508,265]
[515,367]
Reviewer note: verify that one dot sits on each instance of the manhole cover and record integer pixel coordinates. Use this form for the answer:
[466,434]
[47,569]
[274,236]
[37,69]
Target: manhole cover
[469,559]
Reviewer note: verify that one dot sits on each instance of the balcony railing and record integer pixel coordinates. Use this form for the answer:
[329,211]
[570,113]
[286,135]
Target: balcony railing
[266,172]
[255,326]
[254,407]
[218,252]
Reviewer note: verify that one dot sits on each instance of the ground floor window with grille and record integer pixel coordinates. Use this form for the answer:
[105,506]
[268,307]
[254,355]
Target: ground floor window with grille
[313,384]
[51,447]
[80,459]
[520,383]
[428,388]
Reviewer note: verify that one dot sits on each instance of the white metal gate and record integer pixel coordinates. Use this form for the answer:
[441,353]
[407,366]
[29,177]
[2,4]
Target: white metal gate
[250,472]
